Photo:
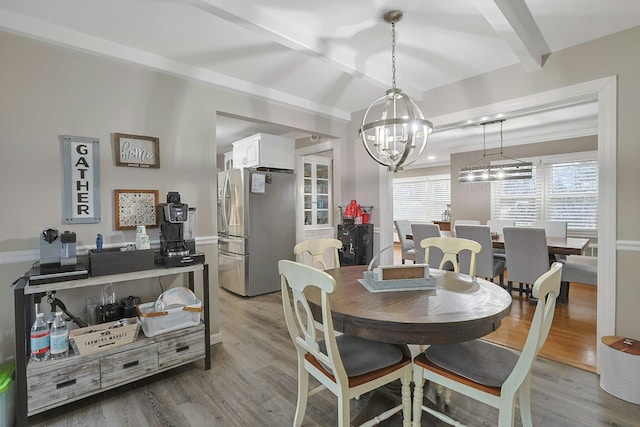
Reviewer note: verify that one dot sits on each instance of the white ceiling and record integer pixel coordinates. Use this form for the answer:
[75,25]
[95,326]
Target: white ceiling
[331,57]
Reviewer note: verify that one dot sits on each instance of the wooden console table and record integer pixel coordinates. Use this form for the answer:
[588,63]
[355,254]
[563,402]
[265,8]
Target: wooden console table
[77,376]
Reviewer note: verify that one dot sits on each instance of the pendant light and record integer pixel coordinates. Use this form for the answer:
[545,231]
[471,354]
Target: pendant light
[394,131]
[481,171]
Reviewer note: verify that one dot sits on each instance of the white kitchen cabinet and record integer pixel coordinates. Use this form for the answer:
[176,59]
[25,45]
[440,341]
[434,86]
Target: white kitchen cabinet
[316,193]
[264,150]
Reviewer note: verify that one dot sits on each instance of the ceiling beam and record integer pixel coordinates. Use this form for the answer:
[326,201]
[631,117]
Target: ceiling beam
[513,21]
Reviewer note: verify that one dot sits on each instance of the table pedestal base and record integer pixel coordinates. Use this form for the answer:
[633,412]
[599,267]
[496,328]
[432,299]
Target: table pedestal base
[388,397]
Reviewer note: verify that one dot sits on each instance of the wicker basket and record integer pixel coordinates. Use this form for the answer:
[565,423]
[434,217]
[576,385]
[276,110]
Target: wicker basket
[105,336]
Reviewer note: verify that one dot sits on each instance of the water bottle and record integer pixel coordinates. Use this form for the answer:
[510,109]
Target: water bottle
[59,337]
[39,335]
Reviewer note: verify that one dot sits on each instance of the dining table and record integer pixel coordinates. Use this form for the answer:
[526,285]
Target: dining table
[459,308]
[555,245]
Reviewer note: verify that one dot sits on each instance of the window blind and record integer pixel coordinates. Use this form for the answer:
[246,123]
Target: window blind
[421,198]
[561,190]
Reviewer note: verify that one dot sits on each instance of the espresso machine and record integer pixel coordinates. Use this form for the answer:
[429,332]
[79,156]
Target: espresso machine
[58,258]
[174,249]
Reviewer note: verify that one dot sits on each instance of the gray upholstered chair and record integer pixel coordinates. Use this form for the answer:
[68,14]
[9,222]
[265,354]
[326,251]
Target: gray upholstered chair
[466,222]
[487,372]
[403,227]
[420,232]
[552,228]
[487,265]
[579,269]
[496,225]
[347,365]
[527,256]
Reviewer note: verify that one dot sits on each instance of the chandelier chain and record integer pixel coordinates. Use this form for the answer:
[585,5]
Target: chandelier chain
[393,53]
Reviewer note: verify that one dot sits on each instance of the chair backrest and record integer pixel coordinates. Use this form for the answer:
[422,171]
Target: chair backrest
[527,253]
[552,228]
[451,247]
[403,227]
[484,259]
[466,222]
[421,232]
[296,279]
[317,249]
[546,288]
[496,225]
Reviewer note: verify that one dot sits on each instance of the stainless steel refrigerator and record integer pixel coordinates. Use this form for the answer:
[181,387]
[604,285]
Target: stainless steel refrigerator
[256,228]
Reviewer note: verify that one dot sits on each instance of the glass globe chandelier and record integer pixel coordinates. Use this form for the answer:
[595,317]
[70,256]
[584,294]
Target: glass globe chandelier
[394,131]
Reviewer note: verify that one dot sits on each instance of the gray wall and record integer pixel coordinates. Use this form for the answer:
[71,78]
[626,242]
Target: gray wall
[49,91]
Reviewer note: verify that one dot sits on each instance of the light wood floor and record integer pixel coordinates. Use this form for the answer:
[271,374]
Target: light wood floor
[253,383]
[572,338]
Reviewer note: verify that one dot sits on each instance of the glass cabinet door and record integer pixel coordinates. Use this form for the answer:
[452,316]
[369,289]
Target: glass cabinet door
[317,192]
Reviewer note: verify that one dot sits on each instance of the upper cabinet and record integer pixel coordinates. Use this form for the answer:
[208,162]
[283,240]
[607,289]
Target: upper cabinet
[264,150]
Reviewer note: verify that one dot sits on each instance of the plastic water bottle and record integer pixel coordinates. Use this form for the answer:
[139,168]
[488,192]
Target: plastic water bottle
[39,335]
[59,337]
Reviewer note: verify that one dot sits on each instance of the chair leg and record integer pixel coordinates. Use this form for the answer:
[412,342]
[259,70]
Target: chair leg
[406,398]
[524,398]
[344,412]
[418,395]
[506,414]
[303,394]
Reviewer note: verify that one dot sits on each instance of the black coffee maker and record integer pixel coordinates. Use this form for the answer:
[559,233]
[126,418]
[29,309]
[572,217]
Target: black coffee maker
[174,250]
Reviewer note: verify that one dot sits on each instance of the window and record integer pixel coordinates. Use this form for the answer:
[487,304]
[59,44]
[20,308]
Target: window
[422,198]
[563,188]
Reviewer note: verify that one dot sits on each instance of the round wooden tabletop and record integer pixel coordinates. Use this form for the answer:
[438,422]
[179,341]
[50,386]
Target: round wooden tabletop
[459,309]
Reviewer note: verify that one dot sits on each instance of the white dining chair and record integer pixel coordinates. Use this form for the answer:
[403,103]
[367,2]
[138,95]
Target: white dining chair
[487,372]
[312,252]
[451,247]
[403,227]
[346,365]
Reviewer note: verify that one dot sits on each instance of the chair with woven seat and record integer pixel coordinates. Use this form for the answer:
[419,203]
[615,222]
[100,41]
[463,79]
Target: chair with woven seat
[451,247]
[487,265]
[487,372]
[403,228]
[527,256]
[420,232]
[317,249]
[347,365]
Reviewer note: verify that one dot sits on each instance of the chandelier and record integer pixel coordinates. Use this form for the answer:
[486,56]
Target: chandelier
[480,171]
[394,131]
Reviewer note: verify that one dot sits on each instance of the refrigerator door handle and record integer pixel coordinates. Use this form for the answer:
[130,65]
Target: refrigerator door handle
[225,203]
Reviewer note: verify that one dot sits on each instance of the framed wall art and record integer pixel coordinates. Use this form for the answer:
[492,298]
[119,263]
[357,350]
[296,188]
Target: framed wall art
[135,207]
[137,151]
[81,185]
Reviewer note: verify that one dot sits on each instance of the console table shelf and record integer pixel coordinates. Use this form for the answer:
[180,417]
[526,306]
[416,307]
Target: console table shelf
[62,381]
